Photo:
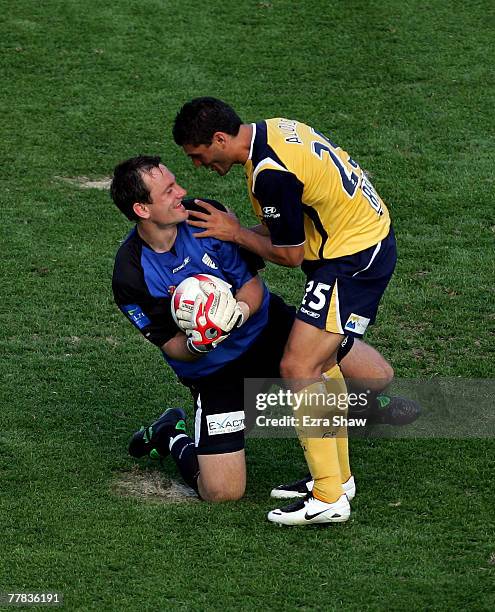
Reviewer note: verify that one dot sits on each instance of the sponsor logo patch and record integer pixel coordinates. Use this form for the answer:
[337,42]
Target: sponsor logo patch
[207,260]
[227,422]
[270,212]
[182,265]
[136,315]
[310,313]
[356,323]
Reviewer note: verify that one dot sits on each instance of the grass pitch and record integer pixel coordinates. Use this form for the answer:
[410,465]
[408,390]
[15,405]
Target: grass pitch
[406,89]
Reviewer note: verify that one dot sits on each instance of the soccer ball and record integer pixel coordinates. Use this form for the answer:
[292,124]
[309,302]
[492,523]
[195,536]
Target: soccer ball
[186,292]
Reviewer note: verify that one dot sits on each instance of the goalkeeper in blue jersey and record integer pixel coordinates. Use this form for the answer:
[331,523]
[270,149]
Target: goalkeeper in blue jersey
[160,252]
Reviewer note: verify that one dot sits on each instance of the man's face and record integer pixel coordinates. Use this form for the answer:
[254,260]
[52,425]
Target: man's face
[216,156]
[166,195]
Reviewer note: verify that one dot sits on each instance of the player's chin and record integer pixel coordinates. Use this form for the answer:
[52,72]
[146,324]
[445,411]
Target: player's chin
[181,212]
[221,171]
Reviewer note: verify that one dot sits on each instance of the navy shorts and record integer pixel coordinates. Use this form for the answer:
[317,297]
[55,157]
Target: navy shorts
[220,417]
[342,294]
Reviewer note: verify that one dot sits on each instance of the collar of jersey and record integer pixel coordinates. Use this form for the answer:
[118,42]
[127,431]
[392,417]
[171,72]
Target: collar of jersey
[253,125]
[169,254]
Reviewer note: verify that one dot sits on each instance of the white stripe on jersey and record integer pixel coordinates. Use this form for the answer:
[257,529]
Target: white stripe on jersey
[268,161]
[253,125]
[337,309]
[375,253]
[197,422]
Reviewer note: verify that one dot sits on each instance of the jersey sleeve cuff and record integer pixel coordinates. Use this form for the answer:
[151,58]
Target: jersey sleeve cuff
[289,245]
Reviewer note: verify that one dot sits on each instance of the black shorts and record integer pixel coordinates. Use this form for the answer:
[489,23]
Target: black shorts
[220,418]
[342,294]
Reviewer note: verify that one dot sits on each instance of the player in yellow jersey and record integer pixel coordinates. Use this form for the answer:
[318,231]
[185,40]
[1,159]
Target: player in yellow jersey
[318,209]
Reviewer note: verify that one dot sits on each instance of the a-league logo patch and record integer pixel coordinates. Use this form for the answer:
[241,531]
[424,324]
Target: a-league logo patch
[356,323]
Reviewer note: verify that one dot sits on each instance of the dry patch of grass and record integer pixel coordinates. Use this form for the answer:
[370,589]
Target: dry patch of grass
[85,182]
[152,486]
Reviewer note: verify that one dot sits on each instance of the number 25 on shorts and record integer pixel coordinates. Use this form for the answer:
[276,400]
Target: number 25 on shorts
[318,295]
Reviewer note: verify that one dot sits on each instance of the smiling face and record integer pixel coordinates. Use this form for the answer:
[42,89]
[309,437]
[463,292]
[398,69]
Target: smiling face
[165,194]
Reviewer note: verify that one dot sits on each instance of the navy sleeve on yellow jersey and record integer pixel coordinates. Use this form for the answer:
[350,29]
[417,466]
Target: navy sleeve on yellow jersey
[280,196]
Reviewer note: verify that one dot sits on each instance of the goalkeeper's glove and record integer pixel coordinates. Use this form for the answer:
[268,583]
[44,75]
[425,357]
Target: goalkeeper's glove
[233,314]
[212,320]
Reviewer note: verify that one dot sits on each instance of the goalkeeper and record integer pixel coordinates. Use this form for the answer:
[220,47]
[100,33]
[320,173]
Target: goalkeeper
[160,252]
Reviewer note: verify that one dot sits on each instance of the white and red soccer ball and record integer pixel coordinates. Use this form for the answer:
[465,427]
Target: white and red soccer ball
[186,292]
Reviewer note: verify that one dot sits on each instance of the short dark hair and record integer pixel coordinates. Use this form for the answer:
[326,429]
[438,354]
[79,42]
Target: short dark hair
[199,119]
[128,186]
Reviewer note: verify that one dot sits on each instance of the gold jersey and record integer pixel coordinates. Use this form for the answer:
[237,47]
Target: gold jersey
[307,190]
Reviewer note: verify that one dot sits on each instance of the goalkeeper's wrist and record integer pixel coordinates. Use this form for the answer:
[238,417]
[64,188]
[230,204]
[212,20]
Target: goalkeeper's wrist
[245,311]
[194,350]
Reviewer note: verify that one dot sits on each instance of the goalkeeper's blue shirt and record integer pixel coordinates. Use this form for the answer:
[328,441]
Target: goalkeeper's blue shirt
[144,281]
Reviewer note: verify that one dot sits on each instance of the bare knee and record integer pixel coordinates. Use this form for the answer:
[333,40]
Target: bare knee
[222,476]
[383,375]
[292,368]
[387,372]
[218,494]
[365,363]
[384,372]
[287,367]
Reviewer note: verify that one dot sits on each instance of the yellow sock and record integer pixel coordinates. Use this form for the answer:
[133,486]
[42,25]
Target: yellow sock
[343,452]
[333,375]
[323,462]
[319,443]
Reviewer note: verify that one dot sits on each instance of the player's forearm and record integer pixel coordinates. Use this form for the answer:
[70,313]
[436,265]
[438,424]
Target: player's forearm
[176,348]
[262,245]
[251,295]
[260,229]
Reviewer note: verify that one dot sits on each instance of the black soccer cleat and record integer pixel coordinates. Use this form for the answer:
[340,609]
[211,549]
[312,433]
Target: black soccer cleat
[394,410]
[153,440]
[299,488]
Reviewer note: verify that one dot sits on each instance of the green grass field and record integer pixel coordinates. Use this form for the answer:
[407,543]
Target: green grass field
[407,89]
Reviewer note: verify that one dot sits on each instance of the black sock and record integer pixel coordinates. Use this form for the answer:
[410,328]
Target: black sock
[184,454]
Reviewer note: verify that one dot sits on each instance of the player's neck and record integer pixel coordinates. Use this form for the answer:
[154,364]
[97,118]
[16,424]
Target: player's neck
[160,239]
[244,138]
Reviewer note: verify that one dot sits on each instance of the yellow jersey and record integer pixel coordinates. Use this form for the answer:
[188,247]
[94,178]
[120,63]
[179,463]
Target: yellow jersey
[309,191]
